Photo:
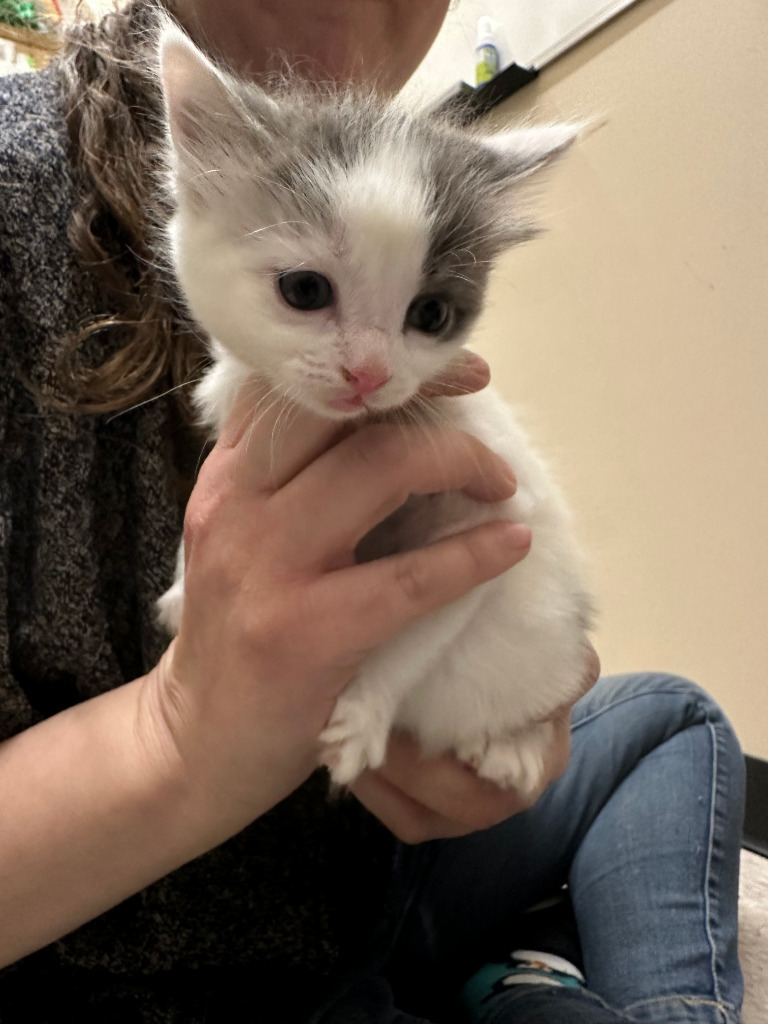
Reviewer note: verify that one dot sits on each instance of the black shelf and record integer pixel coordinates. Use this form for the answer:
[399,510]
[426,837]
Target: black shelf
[471,103]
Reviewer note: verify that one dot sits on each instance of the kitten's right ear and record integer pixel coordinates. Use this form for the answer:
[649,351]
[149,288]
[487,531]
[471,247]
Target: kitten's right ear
[194,91]
[199,103]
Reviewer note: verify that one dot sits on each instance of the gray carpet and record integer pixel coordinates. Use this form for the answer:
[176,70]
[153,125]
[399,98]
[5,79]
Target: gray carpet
[753,936]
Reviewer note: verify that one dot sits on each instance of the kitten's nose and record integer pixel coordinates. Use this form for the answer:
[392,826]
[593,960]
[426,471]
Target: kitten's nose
[367,377]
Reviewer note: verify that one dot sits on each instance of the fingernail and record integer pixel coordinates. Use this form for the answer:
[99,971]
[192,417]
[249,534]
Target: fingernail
[517,535]
[510,478]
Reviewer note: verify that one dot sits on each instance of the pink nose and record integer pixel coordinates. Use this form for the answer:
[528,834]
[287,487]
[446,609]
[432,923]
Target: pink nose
[366,378]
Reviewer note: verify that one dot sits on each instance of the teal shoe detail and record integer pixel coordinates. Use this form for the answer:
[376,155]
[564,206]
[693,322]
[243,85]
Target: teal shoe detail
[524,967]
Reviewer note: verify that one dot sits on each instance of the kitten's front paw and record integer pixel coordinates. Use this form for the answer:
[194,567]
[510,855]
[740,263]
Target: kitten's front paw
[354,739]
[514,762]
[170,606]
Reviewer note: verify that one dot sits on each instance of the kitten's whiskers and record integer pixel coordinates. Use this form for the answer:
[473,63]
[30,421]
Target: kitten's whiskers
[259,413]
[154,398]
[432,415]
[286,413]
[268,227]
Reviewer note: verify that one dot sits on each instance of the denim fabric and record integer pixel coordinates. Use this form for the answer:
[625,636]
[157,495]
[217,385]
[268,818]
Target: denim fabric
[644,827]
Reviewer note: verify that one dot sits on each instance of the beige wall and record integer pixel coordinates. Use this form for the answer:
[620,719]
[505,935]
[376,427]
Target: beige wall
[635,335]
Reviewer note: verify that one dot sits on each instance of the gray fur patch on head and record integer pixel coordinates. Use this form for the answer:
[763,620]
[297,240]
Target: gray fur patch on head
[473,217]
[467,191]
[288,162]
[282,159]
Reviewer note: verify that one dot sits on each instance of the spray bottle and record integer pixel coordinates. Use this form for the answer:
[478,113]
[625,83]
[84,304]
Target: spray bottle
[487,59]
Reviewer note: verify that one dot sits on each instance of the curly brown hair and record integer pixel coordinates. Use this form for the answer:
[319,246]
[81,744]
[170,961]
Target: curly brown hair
[112,106]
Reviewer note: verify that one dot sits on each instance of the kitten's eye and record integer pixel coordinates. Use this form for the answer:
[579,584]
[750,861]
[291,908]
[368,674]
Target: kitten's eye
[428,314]
[305,289]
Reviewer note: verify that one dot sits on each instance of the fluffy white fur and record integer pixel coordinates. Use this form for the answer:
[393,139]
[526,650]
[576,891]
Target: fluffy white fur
[480,676]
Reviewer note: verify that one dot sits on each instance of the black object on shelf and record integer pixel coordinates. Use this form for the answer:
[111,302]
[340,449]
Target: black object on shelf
[471,103]
[756,816]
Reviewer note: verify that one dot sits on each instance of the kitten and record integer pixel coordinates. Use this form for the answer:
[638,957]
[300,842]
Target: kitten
[338,247]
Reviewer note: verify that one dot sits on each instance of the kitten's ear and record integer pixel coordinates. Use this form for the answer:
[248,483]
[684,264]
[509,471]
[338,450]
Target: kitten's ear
[522,151]
[200,103]
[194,90]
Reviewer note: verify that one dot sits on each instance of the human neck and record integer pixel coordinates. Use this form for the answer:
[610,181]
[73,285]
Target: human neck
[379,41]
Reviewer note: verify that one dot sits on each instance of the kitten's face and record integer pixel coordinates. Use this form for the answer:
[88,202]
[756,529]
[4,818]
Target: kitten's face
[341,316]
[338,247]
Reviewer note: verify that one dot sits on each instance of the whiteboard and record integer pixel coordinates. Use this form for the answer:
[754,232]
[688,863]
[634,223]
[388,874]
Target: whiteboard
[530,33]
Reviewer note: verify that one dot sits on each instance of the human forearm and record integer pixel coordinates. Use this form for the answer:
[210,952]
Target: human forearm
[95,806]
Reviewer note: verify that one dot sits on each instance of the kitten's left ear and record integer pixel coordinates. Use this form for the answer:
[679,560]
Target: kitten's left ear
[522,151]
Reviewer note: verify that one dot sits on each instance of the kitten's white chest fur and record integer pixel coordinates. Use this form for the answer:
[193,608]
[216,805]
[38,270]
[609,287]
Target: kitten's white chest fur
[338,247]
[479,676]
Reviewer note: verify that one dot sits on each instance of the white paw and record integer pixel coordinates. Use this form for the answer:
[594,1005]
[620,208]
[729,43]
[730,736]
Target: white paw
[515,761]
[170,606]
[354,739]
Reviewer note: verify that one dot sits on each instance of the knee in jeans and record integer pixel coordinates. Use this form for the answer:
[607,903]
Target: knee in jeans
[699,706]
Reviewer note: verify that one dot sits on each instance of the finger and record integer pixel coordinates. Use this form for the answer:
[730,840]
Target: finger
[589,677]
[420,799]
[359,482]
[405,817]
[592,669]
[468,373]
[385,596]
[448,786]
[559,752]
[271,438]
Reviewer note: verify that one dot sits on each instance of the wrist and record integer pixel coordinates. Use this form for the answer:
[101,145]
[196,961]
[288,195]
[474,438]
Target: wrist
[224,773]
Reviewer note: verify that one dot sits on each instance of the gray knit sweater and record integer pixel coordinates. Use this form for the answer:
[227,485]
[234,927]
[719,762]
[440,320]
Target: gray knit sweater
[88,531]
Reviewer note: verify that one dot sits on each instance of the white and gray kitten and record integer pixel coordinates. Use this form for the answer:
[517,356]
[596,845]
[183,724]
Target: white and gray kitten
[338,247]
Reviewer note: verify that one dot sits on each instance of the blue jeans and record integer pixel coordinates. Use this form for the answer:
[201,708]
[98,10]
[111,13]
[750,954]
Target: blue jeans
[644,827]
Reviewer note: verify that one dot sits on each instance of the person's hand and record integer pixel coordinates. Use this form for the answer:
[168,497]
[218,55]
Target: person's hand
[467,373]
[420,798]
[277,615]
